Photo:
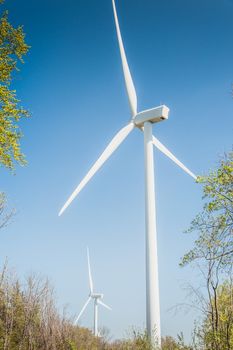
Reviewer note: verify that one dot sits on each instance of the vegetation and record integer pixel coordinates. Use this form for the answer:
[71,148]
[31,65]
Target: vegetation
[213,255]
[29,320]
[12,50]
[215,224]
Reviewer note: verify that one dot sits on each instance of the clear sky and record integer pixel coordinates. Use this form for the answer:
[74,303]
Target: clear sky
[180,53]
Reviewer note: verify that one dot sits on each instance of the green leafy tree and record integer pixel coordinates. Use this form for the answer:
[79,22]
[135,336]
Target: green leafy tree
[222,337]
[214,224]
[29,320]
[213,251]
[12,50]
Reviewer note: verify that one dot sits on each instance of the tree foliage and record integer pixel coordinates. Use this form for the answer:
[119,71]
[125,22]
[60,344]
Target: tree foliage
[214,224]
[29,320]
[12,50]
[213,255]
[169,343]
[221,336]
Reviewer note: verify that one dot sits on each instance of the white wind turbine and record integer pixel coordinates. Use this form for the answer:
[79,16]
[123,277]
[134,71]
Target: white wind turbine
[142,120]
[96,298]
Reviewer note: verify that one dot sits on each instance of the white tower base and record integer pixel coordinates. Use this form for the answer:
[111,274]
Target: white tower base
[152,280]
[96,318]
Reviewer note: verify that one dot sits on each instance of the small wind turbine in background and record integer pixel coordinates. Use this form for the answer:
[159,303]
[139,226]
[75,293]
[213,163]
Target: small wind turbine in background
[96,298]
[143,121]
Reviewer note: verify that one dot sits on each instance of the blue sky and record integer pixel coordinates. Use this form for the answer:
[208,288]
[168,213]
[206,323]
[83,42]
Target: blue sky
[180,54]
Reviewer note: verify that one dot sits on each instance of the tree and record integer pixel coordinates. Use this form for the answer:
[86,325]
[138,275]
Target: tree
[12,50]
[169,343]
[222,337]
[213,251]
[215,223]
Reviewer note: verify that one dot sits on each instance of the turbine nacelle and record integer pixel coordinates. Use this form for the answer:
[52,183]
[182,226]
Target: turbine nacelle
[153,115]
[96,295]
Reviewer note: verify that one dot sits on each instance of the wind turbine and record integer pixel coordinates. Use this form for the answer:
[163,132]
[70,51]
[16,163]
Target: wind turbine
[144,121]
[96,298]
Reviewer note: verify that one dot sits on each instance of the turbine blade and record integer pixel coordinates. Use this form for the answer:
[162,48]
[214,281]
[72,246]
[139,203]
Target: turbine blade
[83,309]
[89,271]
[104,305]
[164,150]
[127,75]
[112,146]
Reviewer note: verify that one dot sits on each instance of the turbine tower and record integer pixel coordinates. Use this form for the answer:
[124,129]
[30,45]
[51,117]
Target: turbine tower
[144,121]
[96,298]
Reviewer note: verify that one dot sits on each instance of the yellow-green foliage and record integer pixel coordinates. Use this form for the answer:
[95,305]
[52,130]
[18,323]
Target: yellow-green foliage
[29,320]
[213,253]
[140,341]
[218,186]
[169,343]
[215,223]
[221,337]
[12,50]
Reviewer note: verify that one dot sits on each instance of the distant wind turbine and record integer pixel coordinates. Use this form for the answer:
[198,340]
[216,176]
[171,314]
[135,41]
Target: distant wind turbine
[95,296]
[142,120]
